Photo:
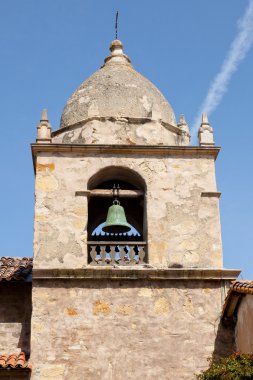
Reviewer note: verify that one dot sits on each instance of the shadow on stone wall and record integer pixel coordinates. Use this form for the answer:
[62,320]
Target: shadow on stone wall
[15,375]
[225,339]
[15,317]
[24,342]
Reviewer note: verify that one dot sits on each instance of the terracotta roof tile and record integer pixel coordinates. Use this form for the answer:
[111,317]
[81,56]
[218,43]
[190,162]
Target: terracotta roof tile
[243,286]
[15,268]
[233,297]
[14,361]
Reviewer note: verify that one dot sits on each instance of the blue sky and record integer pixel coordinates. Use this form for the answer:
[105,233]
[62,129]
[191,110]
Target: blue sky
[49,47]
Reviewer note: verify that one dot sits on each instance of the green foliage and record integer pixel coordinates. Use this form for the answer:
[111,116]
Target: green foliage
[235,367]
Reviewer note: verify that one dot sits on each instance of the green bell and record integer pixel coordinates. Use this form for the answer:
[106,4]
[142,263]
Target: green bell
[116,219]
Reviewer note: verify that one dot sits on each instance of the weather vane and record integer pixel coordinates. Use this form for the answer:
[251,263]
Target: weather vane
[116,25]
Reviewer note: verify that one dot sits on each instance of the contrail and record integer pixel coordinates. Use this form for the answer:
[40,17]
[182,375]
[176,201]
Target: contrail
[237,52]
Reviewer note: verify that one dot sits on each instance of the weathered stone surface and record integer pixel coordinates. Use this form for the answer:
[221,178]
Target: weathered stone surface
[205,133]
[117,330]
[183,227]
[44,129]
[118,105]
[121,131]
[117,90]
[88,325]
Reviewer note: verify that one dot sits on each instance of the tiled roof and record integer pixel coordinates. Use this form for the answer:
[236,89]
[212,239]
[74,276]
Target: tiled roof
[14,361]
[15,268]
[237,289]
[241,286]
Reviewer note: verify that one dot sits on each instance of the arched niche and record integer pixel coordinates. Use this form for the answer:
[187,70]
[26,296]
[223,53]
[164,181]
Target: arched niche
[130,177]
[131,196]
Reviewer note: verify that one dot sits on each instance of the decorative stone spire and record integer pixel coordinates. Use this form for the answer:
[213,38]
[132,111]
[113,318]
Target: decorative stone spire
[44,129]
[204,118]
[44,115]
[185,135]
[205,132]
[117,55]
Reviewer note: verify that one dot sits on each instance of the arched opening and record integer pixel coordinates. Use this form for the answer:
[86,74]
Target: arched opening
[126,248]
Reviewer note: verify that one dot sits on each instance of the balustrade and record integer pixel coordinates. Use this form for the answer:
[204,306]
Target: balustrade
[116,253]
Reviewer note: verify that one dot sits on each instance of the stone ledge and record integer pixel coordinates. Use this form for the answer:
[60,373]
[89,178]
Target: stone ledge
[131,273]
[155,150]
[170,150]
[211,194]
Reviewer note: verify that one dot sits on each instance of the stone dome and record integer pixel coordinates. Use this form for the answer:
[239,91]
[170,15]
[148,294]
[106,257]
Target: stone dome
[116,90]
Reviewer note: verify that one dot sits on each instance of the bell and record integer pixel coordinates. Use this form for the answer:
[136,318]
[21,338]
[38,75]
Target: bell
[116,219]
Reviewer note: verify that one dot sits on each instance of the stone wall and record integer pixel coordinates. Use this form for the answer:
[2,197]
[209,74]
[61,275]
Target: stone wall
[15,317]
[244,325]
[183,226]
[115,330]
[121,131]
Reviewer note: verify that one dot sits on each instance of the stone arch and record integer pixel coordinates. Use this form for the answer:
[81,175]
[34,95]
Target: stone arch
[122,173]
[134,205]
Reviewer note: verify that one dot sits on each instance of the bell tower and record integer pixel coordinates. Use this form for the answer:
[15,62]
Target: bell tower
[146,277]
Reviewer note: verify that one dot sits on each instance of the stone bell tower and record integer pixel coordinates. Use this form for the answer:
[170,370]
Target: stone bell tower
[125,305]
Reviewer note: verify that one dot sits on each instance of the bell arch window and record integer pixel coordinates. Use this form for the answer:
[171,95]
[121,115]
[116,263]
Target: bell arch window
[117,227]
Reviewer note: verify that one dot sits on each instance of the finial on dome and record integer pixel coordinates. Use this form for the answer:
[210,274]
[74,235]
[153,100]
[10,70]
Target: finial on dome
[205,132]
[117,55]
[44,129]
[185,133]
[116,47]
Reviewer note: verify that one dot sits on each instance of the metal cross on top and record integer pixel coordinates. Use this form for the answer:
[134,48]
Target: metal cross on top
[116,25]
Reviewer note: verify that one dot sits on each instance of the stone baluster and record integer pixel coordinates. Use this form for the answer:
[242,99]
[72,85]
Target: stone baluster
[132,255]
[93,255]
[103,254]
[141,254]
[122,255]
[112,254]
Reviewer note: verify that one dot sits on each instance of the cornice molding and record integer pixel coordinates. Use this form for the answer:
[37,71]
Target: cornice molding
[141,150]
[130,273]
